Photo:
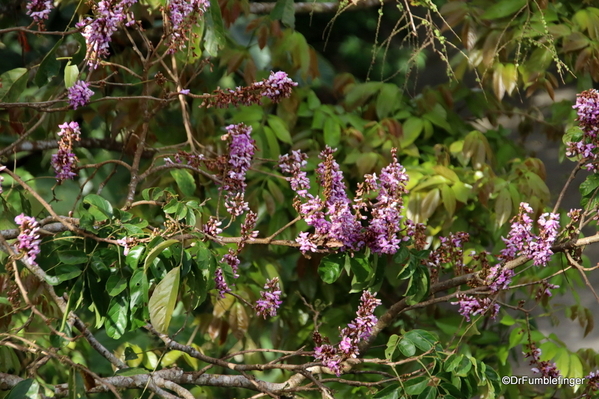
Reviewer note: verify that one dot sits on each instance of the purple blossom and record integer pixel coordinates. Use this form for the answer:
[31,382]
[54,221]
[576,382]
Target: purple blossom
[220,283]
[212,227]
[98,31]
[587,108]
[472,306]
[231,259]
[182,14]
[306,244]
[545,290]
[241,150]
[269,300]
[292,164]
[544,367]
[39,10]
[276,87]
[385,225]
[358,330]
[28,240]
[499,278]
[64,162]
[593,381]
[522,241]
[79,94]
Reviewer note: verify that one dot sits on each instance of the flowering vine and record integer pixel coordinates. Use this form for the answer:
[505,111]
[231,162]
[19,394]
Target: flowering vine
[269,300]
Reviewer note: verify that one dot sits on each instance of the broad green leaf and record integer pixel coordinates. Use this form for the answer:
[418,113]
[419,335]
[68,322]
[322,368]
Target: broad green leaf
[13,84]
[26,389]
[49,67]
[185,181]
[462,191]
[412,128]
[100,203]
[285,12]
[71,73]
[72,257]
[330,267]
[116,284]
[279,128]
[517,336]
[503,207]
[387,100]
[589,185]
[117,317]
[138,288]
[446,173]
[448,197]
[438,117]
[157,250]
[503,8]
[391,346]
[76,385]
[415,386]
[63,273]
[422,339]
[358,94]
[215,37]
[163,300]
[389,392]
[170,358]
[134,256]
[406,347]
[332,132]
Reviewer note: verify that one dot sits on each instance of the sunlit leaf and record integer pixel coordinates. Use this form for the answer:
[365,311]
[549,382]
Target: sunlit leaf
[163,300]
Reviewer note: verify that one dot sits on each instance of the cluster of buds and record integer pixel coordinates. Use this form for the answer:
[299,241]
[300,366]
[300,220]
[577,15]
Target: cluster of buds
[182,15]
[64,162]
[543,367]
[358,330]
[471,306]
[241,151]
[184,156]
[450,251]
[276,87]
[28,240]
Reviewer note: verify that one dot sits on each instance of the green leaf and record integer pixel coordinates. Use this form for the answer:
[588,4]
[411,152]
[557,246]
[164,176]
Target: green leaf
[13,84]
[116,284]
[412,128]
[63,273]
[503,8]
[100,203]
[517,336]
[215,34]
[407,347]
[185,181]
[391,346]
[415,386]
[163,300]
[422,339]
[332,132]
[49,67]
[503,207]
[134,256]
[330,267]
[279,128]
[76,385]
[285,12]
[26,389]
[117,317]
[419,285]
[448,198]
[438,117]
[71,73]
[589,185]
[72,257]
[157,250]
[387,100]
[389,392]
[138,288]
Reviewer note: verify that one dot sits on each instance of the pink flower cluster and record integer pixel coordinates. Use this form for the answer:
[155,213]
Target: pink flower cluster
[65,160]
[182,14]
[270,299]
[39,10]
[336,220]
[28,240]
[587,108]
[499,278]
[358,330]
[241,151]
[543,367]
[98,31]
[79,94]
[522,241]
[471,306]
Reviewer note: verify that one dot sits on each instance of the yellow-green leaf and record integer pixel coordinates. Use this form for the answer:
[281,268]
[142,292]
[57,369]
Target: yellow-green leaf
[163,300]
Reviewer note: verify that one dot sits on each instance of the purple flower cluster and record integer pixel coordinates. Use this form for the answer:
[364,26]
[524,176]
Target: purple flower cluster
[269,300]
[545,290]
[28,240]
[587,108]
[182,14]
[471,306]
[499,278]
[544,367]
[241,150]
[65,160]
[79,94]
[39,10]
[593,381]
[98,31]
[292,164]
[522,241]
[385,225]
[212,227]
[276,87]
[220,283]
[358,330]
